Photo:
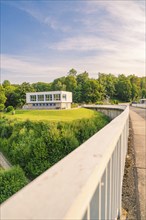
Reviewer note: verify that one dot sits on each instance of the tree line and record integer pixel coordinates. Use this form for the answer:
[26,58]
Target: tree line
[84,89]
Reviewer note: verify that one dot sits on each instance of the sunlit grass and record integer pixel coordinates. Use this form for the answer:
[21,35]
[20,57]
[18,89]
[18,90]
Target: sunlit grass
[51,115]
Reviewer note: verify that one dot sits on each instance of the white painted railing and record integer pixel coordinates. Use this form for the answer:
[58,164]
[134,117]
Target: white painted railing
[86,184]
[139,105]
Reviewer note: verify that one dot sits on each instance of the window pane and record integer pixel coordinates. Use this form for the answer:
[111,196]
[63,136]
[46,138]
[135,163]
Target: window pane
[40,97]
[64,96]
[56,97]
[33,98]
[48,97]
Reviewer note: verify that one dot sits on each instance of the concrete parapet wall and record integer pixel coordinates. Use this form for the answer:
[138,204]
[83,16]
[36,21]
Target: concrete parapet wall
[139,105]
[112,111]
[86,184]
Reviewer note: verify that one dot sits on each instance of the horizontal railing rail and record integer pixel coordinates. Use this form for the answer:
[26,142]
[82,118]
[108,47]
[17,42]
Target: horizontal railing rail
[139,105]
[86,184]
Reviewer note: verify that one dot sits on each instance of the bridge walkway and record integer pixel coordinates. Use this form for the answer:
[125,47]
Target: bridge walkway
[138,118]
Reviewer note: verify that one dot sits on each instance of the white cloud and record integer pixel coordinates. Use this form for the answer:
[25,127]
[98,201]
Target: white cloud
[117,37]
[19,69]
[109,37]
[83,43]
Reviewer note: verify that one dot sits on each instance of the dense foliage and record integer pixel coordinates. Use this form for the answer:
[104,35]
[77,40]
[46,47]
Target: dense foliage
[11,181]
[36,146]
[84,88]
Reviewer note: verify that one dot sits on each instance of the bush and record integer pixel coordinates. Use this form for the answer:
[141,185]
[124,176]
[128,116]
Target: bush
[113,102]
[36,146]
[11,181]
[99,103]
[2,106]
[10,108]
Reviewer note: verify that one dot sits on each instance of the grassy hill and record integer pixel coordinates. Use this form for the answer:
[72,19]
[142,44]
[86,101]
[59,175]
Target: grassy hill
[51,115]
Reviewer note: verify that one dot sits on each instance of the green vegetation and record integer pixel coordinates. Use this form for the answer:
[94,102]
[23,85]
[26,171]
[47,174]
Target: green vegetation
[10,108]
[85,90]
[11,181]
[37,139]
[51,115]
[37,145]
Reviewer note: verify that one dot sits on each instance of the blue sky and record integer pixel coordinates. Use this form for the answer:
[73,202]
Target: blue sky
[43,40]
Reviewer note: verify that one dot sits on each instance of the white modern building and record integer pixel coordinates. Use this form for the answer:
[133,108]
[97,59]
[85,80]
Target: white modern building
[48,100]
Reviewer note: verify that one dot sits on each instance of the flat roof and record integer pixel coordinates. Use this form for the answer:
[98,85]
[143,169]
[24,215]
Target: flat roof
[48,92]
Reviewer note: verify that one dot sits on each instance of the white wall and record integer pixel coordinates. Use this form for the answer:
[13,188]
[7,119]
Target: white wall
[68,95]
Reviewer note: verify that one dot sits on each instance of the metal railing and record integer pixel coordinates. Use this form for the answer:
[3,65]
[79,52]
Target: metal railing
[86,184]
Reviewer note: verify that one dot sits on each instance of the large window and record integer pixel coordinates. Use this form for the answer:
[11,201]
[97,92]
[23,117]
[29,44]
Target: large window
[64,96]
[40,97]
[56,97]
[33,98]
[48,97]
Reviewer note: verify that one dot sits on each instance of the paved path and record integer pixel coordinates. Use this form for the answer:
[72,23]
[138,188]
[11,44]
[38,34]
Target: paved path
[4,162]
[138,118]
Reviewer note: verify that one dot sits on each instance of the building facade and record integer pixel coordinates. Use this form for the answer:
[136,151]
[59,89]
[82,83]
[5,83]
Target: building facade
[48,100]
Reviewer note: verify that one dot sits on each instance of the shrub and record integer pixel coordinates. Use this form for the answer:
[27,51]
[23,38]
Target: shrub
[114,101]
[11,181]
[10,108]
[2,106]
[36,146]
[99,103]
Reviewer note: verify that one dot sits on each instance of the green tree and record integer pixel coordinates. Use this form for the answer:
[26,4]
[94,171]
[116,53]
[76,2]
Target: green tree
[2,98]
[71,83]
[72,72]
[59,84]
[41,86]
[91,88]
[123,88]
[135,87]
[20,93]
[6,83]
[79,93]
[142,87]
[10,95]
[107,84]
[143,93]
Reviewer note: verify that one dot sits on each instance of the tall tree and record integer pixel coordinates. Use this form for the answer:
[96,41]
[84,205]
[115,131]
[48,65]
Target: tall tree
[21,91]
[58,84]
[123,88]
[6,83]
[72,72]
[2,98]
[11,96]
[71,83]
[41,86]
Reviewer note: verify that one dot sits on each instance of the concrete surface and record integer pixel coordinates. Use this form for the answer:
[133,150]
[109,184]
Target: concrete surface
[4,162]
[138,118]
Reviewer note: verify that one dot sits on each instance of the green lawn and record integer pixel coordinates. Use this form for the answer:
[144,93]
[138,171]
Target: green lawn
[51,115]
